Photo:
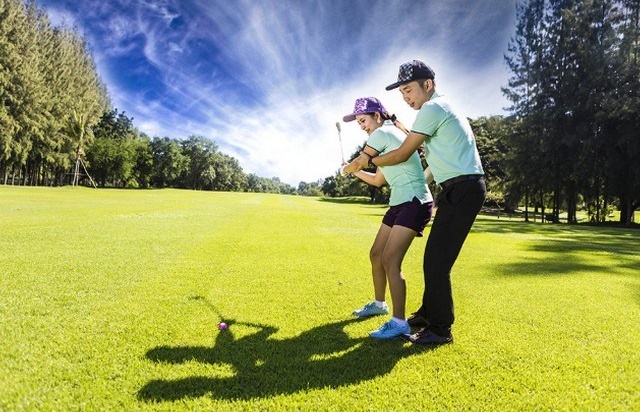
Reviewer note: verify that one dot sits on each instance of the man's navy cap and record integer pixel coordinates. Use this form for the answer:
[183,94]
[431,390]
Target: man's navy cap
[413,70]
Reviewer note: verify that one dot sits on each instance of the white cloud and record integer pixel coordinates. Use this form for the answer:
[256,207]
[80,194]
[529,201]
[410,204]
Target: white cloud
[268,80]
[294,136]
[60,17]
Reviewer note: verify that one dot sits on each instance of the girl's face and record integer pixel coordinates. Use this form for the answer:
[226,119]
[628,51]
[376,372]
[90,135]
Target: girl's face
[416,94]
[369,122]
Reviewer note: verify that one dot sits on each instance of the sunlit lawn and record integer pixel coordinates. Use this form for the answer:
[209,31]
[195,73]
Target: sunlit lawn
[110,300]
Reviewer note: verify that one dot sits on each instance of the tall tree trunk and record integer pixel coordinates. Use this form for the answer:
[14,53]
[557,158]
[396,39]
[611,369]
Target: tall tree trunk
[526,205]
[571,204]
[542,208]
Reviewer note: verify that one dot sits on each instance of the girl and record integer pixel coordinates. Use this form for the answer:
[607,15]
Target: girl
[411,206]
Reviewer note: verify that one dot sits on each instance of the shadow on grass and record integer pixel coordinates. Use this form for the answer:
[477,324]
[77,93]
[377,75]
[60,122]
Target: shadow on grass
[562,249]
[348,200]
[260,367]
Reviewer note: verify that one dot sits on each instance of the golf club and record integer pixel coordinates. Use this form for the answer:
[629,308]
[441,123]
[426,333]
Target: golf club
[340,140]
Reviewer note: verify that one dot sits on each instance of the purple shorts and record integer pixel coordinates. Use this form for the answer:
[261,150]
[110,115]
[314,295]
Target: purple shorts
[414,215]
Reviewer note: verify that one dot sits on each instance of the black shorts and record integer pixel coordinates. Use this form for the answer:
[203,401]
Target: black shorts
[414,215]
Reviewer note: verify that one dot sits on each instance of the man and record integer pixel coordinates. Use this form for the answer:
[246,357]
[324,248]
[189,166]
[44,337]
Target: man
[454,163]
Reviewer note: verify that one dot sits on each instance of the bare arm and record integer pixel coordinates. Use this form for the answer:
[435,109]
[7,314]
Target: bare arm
[402,153]
[375,179]
[361,161]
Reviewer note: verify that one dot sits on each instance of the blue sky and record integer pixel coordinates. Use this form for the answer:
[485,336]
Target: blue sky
[267,80]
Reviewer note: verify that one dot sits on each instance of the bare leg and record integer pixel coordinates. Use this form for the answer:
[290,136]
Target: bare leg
[398,242]
[377,267]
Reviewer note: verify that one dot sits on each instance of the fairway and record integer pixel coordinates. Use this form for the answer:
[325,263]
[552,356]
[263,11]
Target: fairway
[110,300]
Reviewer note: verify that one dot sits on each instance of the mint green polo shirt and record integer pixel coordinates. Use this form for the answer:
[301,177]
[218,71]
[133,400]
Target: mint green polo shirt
[450,144]
[405,179]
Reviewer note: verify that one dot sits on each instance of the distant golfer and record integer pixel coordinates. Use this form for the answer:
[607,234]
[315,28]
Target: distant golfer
[411,205]
[454,161]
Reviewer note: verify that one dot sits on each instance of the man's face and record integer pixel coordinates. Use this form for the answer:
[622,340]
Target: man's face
[416,93]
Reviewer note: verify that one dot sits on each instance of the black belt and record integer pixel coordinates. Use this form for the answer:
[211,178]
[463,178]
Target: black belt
[464,178]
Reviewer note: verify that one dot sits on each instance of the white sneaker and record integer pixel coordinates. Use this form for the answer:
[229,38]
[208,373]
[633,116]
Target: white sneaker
[371,309]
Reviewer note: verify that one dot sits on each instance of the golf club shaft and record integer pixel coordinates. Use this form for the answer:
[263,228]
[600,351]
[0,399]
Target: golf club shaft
[340,140]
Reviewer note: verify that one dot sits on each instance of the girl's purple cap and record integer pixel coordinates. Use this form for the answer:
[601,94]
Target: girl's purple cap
[365,105]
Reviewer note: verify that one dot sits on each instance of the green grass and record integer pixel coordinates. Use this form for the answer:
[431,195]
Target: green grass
[109,300]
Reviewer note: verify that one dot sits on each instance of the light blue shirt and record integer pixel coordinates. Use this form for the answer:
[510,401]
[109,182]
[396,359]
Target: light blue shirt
[405,179]
[450,144]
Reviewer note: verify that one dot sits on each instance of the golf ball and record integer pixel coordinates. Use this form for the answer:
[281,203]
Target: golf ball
[222,326]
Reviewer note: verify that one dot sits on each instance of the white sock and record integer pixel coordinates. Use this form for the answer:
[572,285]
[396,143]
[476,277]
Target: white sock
[380,303]
[398,321]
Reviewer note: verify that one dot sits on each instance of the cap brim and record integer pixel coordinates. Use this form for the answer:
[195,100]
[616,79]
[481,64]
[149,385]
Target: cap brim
[349,118]
[393,86]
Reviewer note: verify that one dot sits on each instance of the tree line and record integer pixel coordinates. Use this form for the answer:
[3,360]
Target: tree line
[48,80]
[569,143]
[121,156]
[574,139]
